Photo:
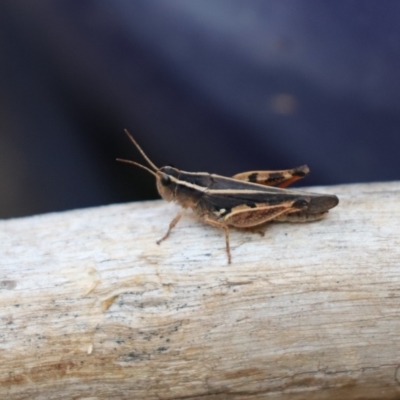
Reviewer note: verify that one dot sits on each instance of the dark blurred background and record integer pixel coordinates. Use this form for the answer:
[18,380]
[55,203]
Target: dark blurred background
[221,86]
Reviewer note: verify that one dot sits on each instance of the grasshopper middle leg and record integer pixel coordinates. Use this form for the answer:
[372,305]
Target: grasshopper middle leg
[225,228]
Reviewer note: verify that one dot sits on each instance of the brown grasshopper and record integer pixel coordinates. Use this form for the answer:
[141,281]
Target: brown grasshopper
[247,200]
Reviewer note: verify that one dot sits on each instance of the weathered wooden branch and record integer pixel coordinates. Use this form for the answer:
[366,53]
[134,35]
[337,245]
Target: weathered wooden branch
[92,307]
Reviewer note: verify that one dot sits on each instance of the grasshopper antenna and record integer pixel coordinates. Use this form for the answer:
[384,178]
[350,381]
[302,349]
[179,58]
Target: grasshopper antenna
[138,165]
[141,152]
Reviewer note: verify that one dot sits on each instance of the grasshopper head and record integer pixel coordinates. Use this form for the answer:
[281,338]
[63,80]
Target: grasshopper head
[166,177]
[166,184]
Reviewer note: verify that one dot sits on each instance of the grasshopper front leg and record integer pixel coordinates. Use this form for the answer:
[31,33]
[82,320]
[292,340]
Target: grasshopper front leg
[172,225]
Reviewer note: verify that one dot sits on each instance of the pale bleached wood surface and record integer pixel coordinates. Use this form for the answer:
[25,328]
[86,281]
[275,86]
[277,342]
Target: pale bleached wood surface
[91,307]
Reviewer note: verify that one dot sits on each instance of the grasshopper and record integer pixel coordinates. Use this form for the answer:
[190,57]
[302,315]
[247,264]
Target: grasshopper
[246,200]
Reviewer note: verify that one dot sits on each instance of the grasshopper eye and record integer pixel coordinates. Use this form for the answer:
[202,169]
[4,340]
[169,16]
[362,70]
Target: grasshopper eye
[165,180]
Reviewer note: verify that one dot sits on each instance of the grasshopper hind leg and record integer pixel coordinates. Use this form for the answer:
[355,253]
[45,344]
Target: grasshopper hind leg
[259,230]
[281,178]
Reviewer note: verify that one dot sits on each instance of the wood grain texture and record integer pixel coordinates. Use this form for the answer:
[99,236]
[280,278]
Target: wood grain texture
[91,307]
